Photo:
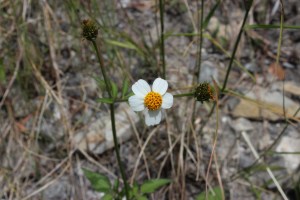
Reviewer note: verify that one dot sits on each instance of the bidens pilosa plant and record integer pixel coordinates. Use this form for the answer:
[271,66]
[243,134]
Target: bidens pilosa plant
[151,100]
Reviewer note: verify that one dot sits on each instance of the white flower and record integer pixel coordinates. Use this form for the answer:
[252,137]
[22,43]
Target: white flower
[151,101]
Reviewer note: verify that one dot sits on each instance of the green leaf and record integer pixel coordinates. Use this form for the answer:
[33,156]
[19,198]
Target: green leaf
[125,87]
[116,185]
[105,100]
[141,198]
[135,189]
[210,14]
[98,181]
[152,185]
[107,197]
[114,90]
[125,44]
[101,83]
[215,195]
[129,95]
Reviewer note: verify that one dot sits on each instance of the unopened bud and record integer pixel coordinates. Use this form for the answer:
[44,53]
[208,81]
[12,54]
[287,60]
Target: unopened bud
[89,30]
[204,92]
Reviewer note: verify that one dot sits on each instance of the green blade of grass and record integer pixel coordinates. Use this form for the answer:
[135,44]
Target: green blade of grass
[270,26]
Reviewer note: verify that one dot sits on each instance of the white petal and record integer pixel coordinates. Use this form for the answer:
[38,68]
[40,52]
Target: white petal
[167,101]
[136,103]
[160,85]
[152,117]
[141,88]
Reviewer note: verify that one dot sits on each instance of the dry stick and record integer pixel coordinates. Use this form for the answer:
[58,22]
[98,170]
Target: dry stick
[219,175]
[46,12]
[141,153]
[48,184]
[245,136]
[166,157]
[197,151]
[139,143]
[215,139]
[13,78]
[269,148]
[92,160]
[170,144]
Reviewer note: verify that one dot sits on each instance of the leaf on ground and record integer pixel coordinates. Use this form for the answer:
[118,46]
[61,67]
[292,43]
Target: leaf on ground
[98,181]
[215,194]
[152,185]
[277,71]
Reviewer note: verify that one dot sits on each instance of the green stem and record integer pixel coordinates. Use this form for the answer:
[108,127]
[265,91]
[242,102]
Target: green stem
[112,117]
[162,37]
[198,72]
[101,62]
[235,47]
[184,95]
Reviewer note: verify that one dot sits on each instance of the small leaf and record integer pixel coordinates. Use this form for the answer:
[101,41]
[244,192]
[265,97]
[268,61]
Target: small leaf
[152,185]
[100,82]
[141,198]
[210,14]
[116,185]
[105,100]
[129,95]
[215,195]
[107,197]
[98,181]
[114,90]
[125,88]
[135,189]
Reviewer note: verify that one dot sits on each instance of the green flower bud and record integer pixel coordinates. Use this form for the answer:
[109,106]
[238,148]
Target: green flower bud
[89,29]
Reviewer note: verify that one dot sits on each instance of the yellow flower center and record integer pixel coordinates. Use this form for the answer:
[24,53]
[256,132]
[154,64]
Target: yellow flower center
[153,101]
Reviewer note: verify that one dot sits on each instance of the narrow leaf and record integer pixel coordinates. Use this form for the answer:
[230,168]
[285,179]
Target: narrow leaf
[216,194]
[98,181]
[114,89]
[105,100]
[141,198]
[125,88]
[126,45]
[107,197]
[210,14]
[101,83]
[152,185]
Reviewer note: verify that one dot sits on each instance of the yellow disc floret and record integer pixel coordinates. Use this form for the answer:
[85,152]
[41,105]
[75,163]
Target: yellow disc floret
[153,101]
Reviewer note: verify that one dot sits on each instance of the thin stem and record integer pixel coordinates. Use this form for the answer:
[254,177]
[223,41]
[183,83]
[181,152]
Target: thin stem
[162,37]
[184,95]
[198,71]
[235,48]
[101,62]
[112,117]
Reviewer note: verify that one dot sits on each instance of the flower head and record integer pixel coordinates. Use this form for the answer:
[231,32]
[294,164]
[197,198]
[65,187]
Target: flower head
[151,100]
[204,92]
[89,29]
